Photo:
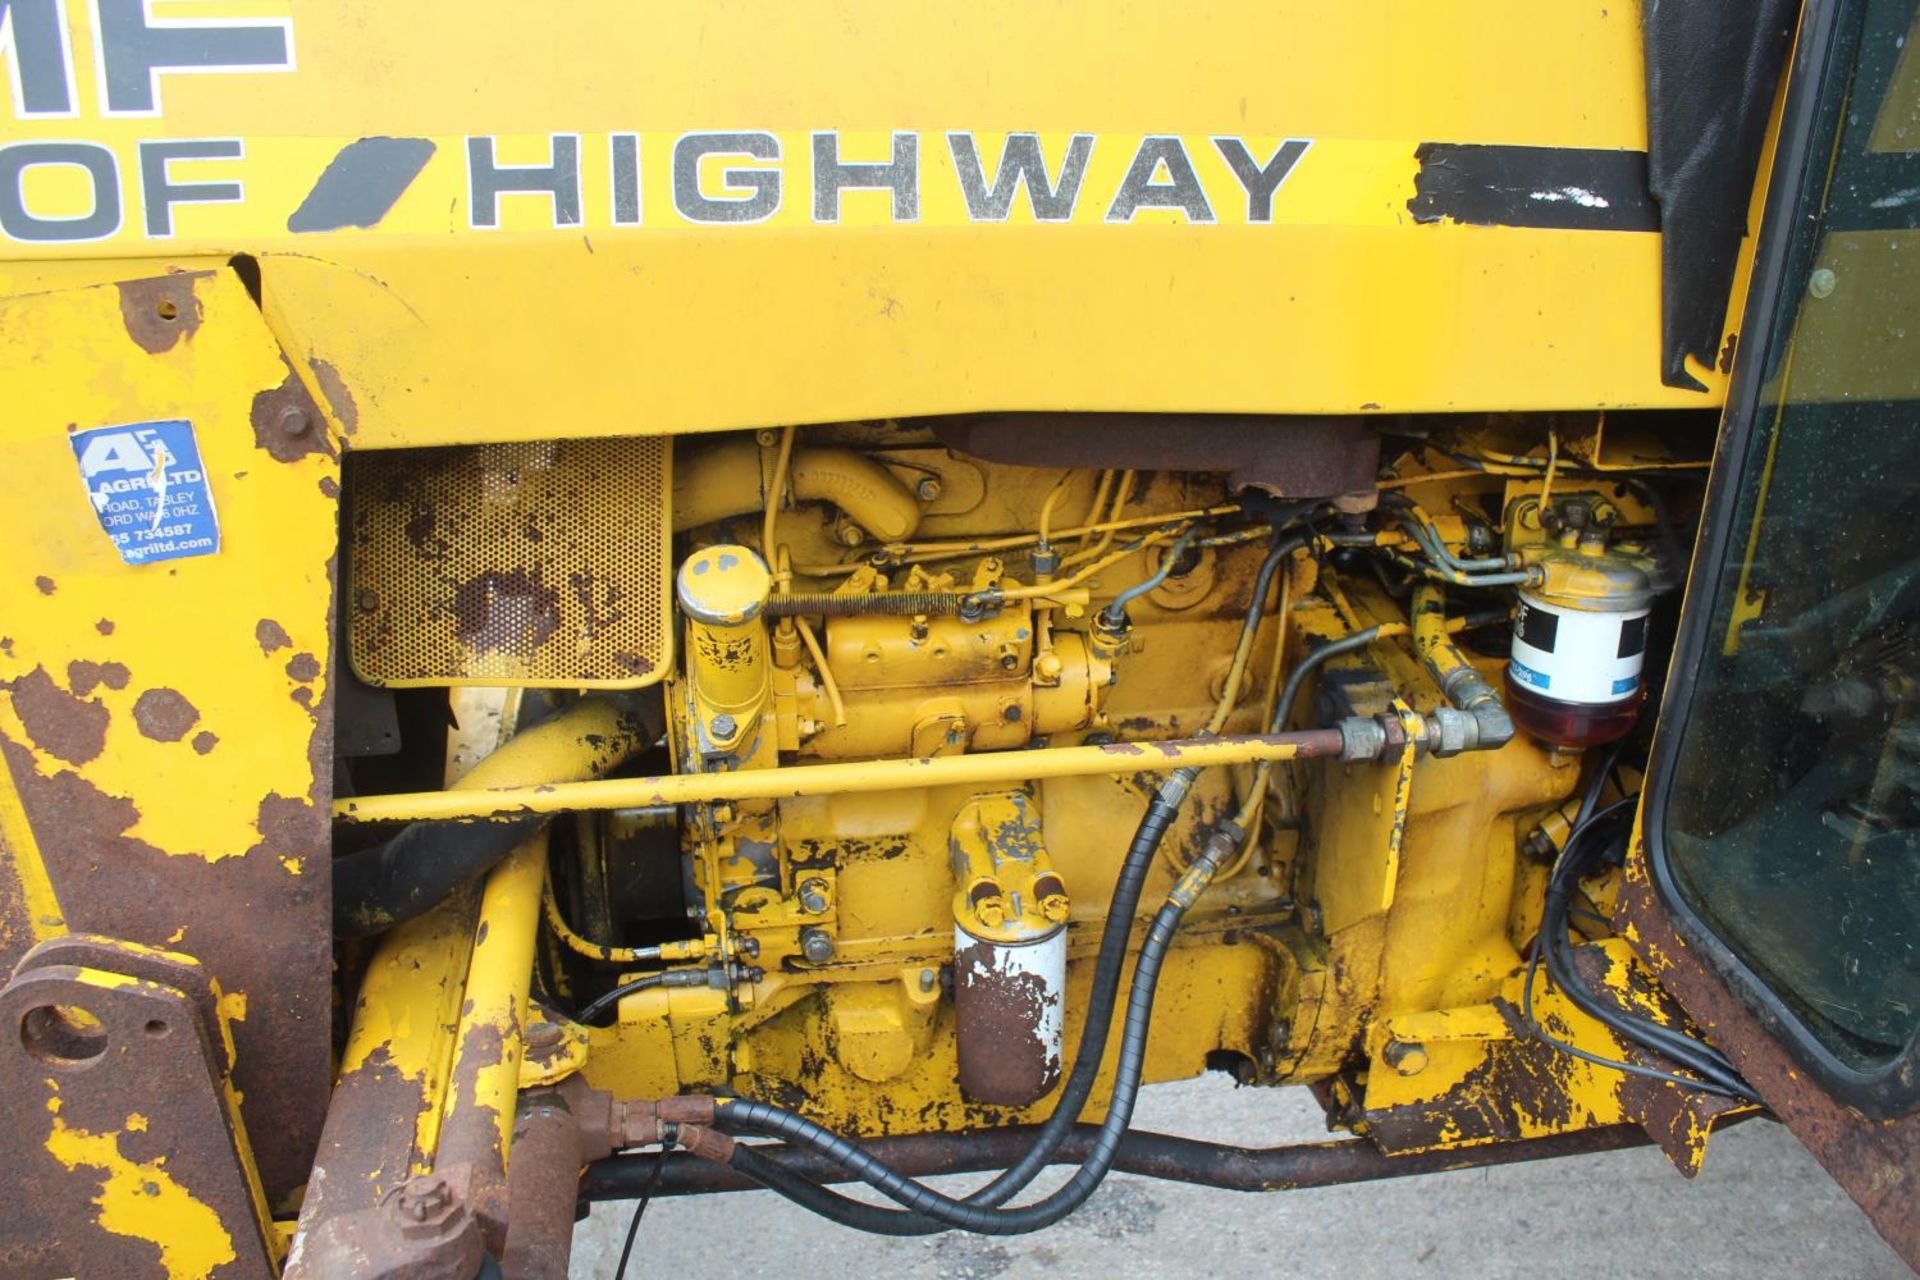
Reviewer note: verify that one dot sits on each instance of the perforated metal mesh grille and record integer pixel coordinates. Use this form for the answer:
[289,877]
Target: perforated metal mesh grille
[530,564]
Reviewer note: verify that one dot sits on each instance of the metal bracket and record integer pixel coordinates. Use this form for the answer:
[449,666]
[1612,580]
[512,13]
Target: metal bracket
[119,1127]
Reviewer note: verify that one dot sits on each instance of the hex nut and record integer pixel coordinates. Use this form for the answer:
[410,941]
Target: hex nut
[816,945]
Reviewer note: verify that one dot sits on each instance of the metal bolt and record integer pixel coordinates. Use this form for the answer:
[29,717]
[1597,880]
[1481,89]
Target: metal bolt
[1407,1059]
[749,947]
[1820,284]
[928,979]
[366,599]
[928,489]
[295,421]
[816,945]
[852,535]
[423,1199]
[722,727]
[544,1035]
[813,896]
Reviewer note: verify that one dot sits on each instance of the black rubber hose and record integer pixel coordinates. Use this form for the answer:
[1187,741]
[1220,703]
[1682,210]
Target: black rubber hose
[1108,965]
[408,873]
[405,875]
[922,1200]
[1718,1074]
[1103,992]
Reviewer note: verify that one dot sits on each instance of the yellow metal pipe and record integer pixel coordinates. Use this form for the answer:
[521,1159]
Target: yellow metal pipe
[476,1126]
[998,768]
[405,1014]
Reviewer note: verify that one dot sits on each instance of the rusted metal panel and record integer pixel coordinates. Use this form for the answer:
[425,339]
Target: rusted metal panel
[118,1125]
[1876,1161]
[172,772]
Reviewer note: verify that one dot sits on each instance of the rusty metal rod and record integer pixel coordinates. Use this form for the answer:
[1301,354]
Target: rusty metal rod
[997,768]
[1151,1155]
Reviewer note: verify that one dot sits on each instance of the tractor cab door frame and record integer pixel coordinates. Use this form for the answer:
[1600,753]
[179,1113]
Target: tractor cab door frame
[1775,881]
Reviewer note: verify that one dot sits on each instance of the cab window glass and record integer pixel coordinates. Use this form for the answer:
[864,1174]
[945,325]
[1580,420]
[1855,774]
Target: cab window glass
[1792,826]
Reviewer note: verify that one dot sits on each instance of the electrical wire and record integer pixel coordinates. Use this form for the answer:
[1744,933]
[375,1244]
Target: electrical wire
[640,1210]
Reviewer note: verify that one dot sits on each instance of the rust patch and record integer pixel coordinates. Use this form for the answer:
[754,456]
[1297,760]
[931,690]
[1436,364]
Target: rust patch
[271,635]
[287,423]
[366,1148]
[64,726]
[469,1137]
[53,1207]
[329,487]
[84,676]
[1003,1059]
[104,626]
[334,388]
[1873,1162]
[204,742]
[511,611]
[303,667]
[47,585]
[17,931]
[254,925]
[164,715]
[162,311]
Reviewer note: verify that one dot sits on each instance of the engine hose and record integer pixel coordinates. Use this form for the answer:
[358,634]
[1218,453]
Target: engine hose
[760,1117]
[405,875]
[1104,989]
[1718,1074]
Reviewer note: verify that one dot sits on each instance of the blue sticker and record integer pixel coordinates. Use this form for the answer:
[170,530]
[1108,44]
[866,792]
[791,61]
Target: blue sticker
[1626,684]
[1527,675]
[149,489]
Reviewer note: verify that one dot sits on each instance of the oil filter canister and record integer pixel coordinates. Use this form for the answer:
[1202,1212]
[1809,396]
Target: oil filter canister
[1579,643]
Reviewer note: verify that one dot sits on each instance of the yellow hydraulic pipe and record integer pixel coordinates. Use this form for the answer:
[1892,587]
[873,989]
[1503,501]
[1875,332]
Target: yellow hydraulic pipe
[1440,655]
[997,768]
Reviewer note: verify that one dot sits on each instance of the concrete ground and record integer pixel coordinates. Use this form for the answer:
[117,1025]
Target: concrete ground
[1761,1208]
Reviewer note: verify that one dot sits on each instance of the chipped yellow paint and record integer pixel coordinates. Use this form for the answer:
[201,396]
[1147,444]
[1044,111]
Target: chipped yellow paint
[143,1201]
[407,1009]
[293,865]
[136,1123]
[232,1006]
[53,378]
